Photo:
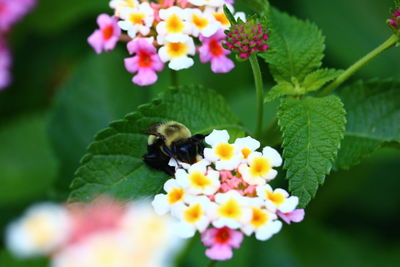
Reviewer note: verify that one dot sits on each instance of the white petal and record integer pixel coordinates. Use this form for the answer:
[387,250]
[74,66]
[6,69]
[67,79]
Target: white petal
[273,156]
[289,205]
[170,184]
[162,52]
[180,63]
[160,204]
[228,164]
[248,142]
[210,155]
[271,175]
[182,178]
[186,230]
[217,136]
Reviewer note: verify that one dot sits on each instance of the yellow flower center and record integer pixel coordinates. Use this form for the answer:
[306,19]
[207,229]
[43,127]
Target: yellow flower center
[136,18]
[277,198]
[174,24]
[199,180]
[222,18]
[230,209]
[175,195]
[260,167]
[199,22]
[224,151]
[40,230]
[193,213]
[259,217]
[177,49]
[246,152]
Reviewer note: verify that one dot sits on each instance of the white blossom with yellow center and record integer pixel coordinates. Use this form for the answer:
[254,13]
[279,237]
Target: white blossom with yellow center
[259,169]
[119,5]
[232,210]
[277,199]
[137,20]
[198,180]
[194,216]
[224,155]
[172,200]
[246,146]
[174,25]
[220,16]
[203,23]
[179,164]
[262,222]
[177,54]
[42,230]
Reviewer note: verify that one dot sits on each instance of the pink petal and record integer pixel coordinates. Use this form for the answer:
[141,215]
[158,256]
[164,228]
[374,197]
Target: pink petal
[207,237]
[131,64]
[236,238]
[294,216]
[96,41]
[5,78]
[158,65]
[144,77]
[219,252]
[204,53]
[221,64]
[103,20]
[110,43]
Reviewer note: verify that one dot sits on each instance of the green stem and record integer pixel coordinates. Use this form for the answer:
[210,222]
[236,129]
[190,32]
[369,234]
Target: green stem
[260,93]
[174,78]
[212,263]
[360,63]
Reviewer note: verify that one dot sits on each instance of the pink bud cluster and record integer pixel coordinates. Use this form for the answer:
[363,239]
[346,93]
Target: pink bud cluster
[395,21]
[11,11]
[247,38]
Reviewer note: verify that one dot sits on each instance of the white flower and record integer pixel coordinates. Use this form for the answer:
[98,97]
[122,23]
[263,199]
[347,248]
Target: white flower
[259,169]
[223,154]
[277,199]
[246,145]
[198,180]
[211,3]
[174,198]
[220,16]
[42,230]
[232,210]
[262,222]
[194,217]
[174,26]
[202,23]
[177,54]
[137,20]
[119,5]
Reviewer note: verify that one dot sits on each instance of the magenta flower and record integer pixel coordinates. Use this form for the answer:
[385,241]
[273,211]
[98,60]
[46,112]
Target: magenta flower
[212,50]
[146,62]
[107,36]
[11,11]
[221,241]
[294,216]
[5,64]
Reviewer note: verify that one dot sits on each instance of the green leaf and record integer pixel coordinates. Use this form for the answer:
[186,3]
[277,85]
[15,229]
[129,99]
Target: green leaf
[98,92]
[312,129]
[113,163]
[296,47]
[281,89]
[373,118]
[315,80]
[259,6]
[28,166]
[229,15]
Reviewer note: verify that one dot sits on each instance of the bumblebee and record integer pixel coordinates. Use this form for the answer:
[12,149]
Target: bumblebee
[172,139]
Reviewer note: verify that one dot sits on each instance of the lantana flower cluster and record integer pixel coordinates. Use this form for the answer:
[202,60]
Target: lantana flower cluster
[11,11]
[103,233]
[227,194]
[394,22]
[166,32]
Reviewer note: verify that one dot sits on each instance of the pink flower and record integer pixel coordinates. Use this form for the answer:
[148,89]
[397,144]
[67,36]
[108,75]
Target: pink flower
[5,64]
[212,50]
[221,241]
[11,11]
[107,36]
[294,216]
[146,62]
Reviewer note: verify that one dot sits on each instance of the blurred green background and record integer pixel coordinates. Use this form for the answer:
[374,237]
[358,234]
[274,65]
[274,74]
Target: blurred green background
[63,94]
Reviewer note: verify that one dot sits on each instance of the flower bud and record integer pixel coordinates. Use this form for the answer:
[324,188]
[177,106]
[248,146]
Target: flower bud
[246,38]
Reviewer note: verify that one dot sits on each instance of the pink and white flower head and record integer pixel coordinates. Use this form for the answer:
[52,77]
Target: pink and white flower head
[177,54]
[5,65]
[174,25]
[221,242]
[228,189]
[212,51]
[11,11]
[107,36]
[146,61]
